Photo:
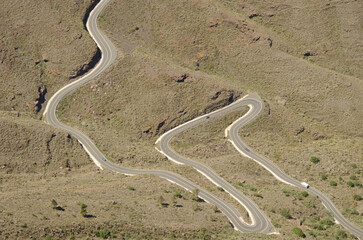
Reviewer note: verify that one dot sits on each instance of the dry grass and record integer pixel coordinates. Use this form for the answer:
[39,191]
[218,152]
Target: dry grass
[221,50]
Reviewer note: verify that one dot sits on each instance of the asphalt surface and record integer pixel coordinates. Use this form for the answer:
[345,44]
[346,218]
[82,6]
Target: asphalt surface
[260,222]
[109,54]
[256,106]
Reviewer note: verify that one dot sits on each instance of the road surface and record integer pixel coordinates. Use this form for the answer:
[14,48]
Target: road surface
[109,53]
[260,222]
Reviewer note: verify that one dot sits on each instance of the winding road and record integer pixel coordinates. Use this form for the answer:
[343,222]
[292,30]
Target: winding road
[260,223]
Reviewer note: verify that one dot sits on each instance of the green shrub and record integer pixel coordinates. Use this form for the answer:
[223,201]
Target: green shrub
[161,200]
[327,222]
[304,194]
[353,177]
[134,29]
[103,233]
[333,183]
[286,192]
[196,207]
[195,193]
[131,188]
[257,195]
[220,189]
[54,204]
[324,176]
[285,213]
[314,159]
[319,227]
[353,165]
[298,232]
[84,210]
[350,184]
[357,197]
[357,183]
[177,194]
[341,235]
[354,212]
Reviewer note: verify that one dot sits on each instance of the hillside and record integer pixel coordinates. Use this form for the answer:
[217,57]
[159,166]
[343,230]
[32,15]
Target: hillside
[181,59]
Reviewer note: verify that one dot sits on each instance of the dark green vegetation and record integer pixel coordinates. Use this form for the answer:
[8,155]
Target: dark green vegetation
[314,159]
[298,232]
[104,233]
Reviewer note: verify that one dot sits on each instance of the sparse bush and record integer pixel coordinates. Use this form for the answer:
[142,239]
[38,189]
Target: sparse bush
[286,192]
[54,204]
[314,159]
[298,232]
[324,176]
[215,209]
[286,213]
[354,165]
[195,194]
[103,233]
[83,210]
[257,195]
[304,194]
[48,238]
[134,29]
[196,207]
[276,224]
[353,177]
[357,183]
[341,235]
[213,218]
[161,200]
[311,233]
[350,184]
[333,183]
[327,222]
[354,212]
[177,194]
[357,197]
[220,189]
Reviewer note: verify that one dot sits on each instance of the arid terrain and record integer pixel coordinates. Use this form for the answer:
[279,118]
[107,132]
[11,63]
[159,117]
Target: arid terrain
[178,60]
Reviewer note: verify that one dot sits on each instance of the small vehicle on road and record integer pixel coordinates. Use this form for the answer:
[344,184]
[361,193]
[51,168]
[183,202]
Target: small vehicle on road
[207,117]
[104,159]
[305,185]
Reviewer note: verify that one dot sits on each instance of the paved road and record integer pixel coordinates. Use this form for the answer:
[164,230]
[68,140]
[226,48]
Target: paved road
[109,53]
[260,222]
[256,106]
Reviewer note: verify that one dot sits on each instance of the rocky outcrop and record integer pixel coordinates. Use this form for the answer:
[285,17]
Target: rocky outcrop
[88,11]
[181,78]
[87,66]
[97,56]
[222,98]
[219,99]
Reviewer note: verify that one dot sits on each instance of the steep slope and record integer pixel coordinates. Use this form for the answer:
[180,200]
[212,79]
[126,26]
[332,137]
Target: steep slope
[42,45]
